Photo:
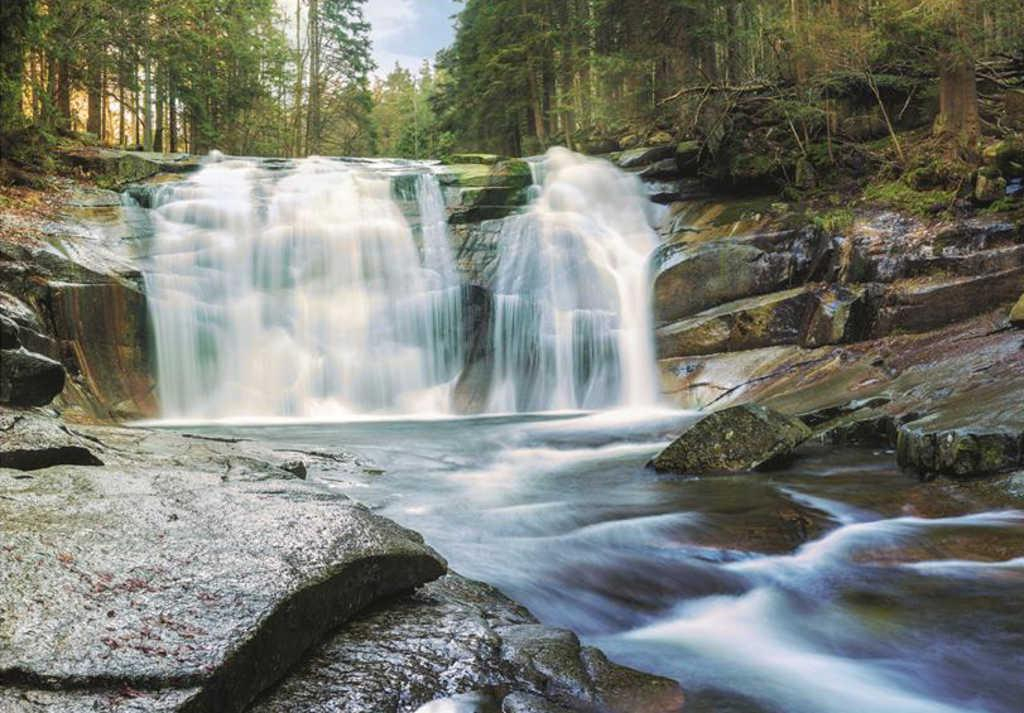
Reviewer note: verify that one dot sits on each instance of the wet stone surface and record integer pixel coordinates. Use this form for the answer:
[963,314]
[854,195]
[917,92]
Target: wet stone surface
[161,578]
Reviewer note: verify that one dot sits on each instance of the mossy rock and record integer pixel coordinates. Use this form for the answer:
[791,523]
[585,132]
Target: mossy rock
[738,439]
[485,159]
[1007,156]
[1017,313]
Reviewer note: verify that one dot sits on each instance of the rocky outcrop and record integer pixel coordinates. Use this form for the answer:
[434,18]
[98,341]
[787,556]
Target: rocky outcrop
[186,582]
[480,191]
[736,439]
[73,296]
[202,574]
[468,642]
[115,168]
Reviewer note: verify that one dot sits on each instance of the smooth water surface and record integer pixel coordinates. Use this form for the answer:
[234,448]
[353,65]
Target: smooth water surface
[837,586]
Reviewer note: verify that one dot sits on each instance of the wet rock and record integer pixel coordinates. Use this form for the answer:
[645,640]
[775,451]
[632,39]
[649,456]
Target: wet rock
[960,453]
[452,640]
[8,334]
[705,276]
[660,170]
[485,191]
[927,304]
[751,323]
[694,276]
[113,168]
[29,379]
[842,315]
[180,582]
[740,438]
[1017,313]
[644,156]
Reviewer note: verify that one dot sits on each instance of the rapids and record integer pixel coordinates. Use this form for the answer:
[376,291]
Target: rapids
[836,586]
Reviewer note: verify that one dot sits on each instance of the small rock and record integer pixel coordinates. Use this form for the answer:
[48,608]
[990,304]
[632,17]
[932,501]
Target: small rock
[1017,313]
[295,467]
[737,439]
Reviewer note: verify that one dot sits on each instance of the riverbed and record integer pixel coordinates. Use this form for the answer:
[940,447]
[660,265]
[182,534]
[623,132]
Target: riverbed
[836,585]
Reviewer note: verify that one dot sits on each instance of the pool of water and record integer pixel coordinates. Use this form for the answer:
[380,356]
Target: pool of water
[838,585]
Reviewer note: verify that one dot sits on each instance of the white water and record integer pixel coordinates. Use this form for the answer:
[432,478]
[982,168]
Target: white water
[572,324]
[299,289]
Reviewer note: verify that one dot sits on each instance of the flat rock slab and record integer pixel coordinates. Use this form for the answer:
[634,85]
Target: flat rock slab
[147,577]
[463,642]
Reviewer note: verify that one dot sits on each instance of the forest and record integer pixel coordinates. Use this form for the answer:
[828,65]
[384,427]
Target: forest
[257,78]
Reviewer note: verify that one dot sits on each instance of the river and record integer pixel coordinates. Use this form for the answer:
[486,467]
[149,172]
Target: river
[837,585]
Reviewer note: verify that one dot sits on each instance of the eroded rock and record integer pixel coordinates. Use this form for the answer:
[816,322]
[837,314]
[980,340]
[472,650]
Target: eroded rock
[736,439]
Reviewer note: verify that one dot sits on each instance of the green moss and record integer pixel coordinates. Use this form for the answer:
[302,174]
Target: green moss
[834,221]
[900,196]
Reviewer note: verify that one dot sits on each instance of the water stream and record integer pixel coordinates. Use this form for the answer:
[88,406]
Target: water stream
[836,586]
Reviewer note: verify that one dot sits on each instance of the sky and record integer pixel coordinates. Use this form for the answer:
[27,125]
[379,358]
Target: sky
[409,31]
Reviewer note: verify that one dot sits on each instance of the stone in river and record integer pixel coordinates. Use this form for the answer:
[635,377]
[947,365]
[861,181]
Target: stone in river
[733,440]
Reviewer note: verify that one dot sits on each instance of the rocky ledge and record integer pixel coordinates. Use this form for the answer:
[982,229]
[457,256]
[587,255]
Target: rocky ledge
[894,334]
[153,571]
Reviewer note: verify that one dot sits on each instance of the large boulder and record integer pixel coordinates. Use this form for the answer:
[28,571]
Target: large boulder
[201,583]
[484,190]
[28,379]
[456,642]
[741,438]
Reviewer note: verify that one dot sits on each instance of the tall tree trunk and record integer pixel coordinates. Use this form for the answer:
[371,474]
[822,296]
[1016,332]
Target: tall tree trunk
[172,115]
[958,121]
[158,126]
[122,138]
[94,100]
[15,16]
[64,95]
[147,101]
[313,115]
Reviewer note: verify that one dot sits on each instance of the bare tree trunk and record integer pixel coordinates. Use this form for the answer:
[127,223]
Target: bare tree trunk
[64,95]
[172,115]
[147,88]
[158,126]
[958,121]
[94,100]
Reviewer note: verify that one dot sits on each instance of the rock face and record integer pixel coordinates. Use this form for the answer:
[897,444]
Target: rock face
[198,585]
[72,294]
[737,439]
[479,191]
[465,640]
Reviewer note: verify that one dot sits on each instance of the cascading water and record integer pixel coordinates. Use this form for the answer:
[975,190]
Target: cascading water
[297,289]
[571,316]
[282,288]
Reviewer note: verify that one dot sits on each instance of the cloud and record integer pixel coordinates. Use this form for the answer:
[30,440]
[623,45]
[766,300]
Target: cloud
[389,18]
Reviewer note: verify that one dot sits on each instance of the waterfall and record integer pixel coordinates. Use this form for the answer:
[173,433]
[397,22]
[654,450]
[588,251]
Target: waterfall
[571,325]
[308,288]
[298,289]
